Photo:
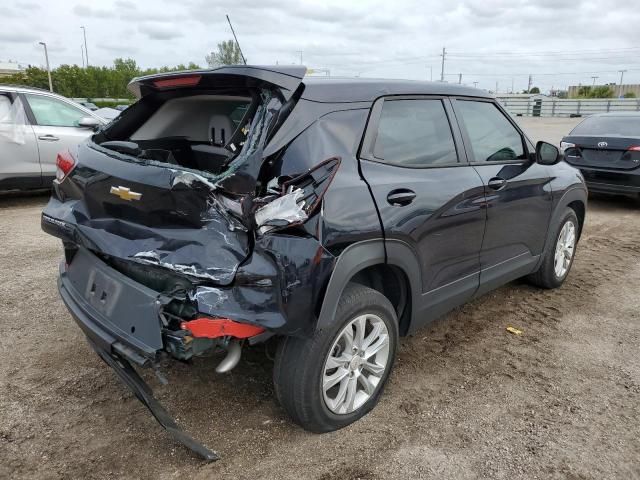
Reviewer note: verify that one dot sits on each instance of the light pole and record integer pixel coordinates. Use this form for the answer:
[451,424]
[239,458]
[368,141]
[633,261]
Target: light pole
[82,54]
[86,52]
[621,75]
[594,80]
[46,57]
[475,84]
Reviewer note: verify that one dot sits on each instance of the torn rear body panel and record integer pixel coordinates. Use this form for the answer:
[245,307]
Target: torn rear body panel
[202,218]
[179,196]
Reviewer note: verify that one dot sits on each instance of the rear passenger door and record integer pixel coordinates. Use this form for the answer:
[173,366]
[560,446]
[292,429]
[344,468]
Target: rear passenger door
[518,192]
[19,160]
[427,195]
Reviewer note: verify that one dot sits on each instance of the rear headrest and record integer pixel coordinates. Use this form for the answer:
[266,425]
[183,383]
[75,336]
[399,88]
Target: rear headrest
[221,129]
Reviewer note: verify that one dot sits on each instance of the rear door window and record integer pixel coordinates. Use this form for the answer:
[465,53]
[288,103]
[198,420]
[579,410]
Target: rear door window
[414,133]
[52,112]
[492,136]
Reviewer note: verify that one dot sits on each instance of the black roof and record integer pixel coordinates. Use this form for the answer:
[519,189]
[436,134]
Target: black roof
[333,89]
[319,89]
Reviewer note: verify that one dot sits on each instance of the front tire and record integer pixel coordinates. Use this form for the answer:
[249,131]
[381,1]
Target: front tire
[329,381]
[559,255]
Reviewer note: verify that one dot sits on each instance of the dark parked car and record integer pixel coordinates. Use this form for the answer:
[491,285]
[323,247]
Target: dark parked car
[233,206]
[606,149]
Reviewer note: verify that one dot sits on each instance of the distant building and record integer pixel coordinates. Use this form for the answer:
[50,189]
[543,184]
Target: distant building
[11,68]
[618,90]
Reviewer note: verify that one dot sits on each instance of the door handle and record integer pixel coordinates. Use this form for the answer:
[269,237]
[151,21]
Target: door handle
[48,138]
[401,196]
[497,183]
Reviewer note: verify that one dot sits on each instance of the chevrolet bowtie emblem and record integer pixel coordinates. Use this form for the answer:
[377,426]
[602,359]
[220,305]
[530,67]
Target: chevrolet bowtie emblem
[125,194]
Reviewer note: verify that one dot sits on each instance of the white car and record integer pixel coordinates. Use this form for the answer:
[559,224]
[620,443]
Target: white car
[34,126]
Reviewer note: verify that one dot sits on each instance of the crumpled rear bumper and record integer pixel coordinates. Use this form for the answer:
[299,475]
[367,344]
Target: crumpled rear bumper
[114,312]
[127,374]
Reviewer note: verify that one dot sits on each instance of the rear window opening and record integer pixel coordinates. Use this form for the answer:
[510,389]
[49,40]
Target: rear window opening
[203,131]
[609,126]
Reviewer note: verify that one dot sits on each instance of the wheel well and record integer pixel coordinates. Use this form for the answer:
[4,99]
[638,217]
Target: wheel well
[578,207]
[392,282]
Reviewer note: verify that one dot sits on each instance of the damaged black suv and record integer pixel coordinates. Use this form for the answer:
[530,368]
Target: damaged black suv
[233,206]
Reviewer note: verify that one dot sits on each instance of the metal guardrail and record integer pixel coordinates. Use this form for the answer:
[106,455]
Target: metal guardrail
[566,107]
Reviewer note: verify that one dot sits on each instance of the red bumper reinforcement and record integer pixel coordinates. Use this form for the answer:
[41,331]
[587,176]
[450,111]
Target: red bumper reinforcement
[220,327]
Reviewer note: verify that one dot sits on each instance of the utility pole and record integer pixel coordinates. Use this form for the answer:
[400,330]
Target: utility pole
[82,54]
[594,81]
[512,85]
[529,85]
[459,79]
[475,84]
[430,73]
[444,53]
[86,52]
[496,87]
[621,75]
[46,57]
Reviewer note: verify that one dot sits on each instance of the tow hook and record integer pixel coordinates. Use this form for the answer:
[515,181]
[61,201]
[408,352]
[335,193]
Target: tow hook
[229,362]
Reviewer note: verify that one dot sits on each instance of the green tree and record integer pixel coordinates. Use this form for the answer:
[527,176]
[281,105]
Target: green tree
[91,82]
[629,95]
[228,54]
[601,91]
[534,90]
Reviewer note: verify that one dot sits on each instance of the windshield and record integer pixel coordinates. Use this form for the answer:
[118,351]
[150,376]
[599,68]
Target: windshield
[619,126]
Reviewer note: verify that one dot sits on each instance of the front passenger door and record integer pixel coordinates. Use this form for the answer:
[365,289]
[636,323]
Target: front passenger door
[518,192]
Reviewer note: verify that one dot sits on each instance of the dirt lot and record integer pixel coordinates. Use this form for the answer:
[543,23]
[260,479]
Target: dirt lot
[466,399]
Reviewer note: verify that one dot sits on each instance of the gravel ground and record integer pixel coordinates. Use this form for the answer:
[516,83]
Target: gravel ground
[466,400]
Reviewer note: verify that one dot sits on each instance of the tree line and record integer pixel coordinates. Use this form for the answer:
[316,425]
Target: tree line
[111,82]
[89,82]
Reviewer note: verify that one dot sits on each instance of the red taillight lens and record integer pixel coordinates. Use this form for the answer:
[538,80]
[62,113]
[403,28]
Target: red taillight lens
[188,81]
[635,148]
[64,163]
[205,327]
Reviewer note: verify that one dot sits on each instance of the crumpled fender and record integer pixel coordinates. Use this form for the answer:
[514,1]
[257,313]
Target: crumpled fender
[279,288]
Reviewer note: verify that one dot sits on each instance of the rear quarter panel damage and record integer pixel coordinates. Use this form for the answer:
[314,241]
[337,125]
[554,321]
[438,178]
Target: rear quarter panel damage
[278,288]
[348,213]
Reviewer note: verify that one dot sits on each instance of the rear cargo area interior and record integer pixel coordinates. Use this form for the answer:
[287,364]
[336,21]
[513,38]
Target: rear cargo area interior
[202,132]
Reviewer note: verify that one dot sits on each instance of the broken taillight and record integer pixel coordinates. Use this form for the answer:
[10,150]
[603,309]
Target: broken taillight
[298,197]
[205,327]
[64,164]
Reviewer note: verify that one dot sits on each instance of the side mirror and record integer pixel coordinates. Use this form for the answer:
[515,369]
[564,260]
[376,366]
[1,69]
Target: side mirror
[547,154]
[89,122]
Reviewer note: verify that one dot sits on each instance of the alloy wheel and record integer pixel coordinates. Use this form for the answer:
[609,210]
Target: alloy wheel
[356,364]
[565,246]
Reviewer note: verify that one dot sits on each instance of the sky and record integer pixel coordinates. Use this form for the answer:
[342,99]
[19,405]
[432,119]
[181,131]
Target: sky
[558,42]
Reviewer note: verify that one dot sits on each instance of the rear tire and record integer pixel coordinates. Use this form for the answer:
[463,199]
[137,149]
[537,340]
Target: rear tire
[559,254]
[326,382]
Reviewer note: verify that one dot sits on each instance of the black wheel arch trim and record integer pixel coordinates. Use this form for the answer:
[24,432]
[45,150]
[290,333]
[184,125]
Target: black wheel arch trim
[361,255]
[573,194]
